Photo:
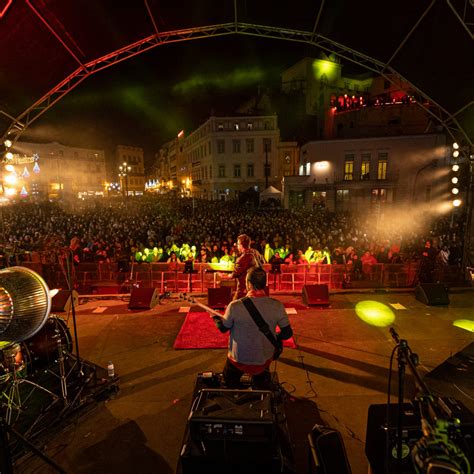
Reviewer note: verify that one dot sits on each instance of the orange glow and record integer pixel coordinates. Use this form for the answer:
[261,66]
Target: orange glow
[181,134]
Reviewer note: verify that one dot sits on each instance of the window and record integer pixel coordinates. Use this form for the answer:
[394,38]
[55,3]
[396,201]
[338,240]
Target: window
[249,126]
[236,171]
[220,127]
[267,145]
[236,126]
[250,145]
[250,170]
[349,168]
[236,146]
[342,195]
[220,146]
[382,166]
[221,171]
[365,166]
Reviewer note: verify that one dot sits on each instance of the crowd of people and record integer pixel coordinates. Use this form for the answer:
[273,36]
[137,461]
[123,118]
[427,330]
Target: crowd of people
[162,229]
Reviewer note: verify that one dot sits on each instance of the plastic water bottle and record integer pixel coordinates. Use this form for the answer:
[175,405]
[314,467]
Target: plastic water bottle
[110,369]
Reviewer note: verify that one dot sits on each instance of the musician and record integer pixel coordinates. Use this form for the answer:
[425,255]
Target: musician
[249,349]
[248,259]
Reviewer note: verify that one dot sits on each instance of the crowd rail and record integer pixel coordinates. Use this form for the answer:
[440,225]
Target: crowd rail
[106,277]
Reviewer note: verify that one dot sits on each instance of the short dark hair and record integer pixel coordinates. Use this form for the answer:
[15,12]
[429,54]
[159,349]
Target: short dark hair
[257,277]
[244,240]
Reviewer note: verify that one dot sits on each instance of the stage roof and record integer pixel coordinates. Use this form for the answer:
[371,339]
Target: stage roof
[48,47]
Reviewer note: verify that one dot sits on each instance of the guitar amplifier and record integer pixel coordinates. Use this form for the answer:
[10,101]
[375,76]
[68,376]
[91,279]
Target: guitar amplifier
[232,415]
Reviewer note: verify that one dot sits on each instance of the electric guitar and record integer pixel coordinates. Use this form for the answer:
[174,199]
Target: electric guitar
[190,299]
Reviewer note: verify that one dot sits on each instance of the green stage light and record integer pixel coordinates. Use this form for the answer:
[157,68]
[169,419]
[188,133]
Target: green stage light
[375,313]
[465,324]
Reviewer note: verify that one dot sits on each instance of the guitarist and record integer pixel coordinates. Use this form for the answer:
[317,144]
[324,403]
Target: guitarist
[248,258]
[250,349]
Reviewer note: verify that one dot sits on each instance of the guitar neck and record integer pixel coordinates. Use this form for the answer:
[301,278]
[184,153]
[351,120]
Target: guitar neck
[203,306]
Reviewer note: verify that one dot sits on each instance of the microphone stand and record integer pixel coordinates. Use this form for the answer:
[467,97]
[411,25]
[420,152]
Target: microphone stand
[404,357]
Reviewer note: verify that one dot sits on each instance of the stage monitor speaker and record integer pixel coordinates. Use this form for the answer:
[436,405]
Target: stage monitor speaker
[143,298]
[316,295]
[432,294]
[327,453]
[380,442]
[61,301]
[219,298]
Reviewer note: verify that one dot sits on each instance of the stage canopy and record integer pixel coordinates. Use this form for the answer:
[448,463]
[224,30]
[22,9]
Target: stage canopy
[48,47]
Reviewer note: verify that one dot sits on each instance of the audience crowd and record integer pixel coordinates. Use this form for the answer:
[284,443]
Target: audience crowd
[162,229]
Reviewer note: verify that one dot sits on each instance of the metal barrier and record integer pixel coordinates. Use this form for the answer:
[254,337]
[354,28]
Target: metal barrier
[291,279]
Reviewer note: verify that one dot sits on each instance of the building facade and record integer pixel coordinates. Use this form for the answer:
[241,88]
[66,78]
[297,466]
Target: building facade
[130,169]
[370,175]
[56,171]
[224,157]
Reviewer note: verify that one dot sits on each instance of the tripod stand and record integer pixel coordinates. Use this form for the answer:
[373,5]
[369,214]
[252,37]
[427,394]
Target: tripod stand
[12,394]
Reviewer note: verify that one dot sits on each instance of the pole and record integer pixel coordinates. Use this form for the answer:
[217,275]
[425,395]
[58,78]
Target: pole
[266,165]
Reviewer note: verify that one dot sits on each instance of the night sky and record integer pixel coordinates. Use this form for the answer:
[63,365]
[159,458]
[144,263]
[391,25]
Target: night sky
[145,101]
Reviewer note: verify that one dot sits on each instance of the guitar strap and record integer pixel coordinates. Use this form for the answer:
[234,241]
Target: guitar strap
[260,322]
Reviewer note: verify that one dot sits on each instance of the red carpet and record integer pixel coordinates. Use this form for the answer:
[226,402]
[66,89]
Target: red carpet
[199,332]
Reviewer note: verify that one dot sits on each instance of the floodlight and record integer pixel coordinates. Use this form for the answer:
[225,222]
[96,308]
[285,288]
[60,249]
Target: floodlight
[457,202]
[25,304]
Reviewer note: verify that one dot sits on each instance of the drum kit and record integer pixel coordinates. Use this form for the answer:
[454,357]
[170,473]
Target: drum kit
[32,341]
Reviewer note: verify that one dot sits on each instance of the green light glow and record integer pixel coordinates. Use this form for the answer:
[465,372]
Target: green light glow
[4,344]
[227,81]
[328,68]
[375,313]
[465,324]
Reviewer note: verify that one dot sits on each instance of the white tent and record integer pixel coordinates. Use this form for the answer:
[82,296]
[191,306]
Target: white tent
[270,192]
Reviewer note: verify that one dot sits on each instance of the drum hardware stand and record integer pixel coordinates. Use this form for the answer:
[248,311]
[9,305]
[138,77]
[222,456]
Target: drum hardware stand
[13,393]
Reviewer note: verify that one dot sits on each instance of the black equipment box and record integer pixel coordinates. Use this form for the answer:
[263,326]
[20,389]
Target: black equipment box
[222,414]
[231,431]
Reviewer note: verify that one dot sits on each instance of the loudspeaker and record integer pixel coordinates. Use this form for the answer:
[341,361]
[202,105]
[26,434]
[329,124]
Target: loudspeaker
[219,298]
[61,301]
[327,454]
[432,294]
[380,440]
[315,295]
[143,298]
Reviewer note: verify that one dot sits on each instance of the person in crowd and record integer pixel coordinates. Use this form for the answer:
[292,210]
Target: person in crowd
[427,263]
[250,351]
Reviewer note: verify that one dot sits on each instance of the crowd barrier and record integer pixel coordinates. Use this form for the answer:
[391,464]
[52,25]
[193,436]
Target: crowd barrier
[106,277]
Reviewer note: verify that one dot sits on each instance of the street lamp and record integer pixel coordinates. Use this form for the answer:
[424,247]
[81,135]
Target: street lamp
[124,171]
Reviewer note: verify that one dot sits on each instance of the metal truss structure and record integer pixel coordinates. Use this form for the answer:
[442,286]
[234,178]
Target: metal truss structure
[384,69]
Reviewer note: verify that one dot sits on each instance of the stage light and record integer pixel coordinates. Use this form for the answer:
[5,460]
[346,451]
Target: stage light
[455,168]
[454,180]
[25,304]
[455,191]
[9,155]
[455,146]
[457,202]
[8,143]
[455,153]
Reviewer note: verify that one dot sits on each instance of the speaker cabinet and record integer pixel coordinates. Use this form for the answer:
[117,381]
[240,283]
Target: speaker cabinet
[143,298]
[219,298]
[61,301]
[432,294]
[316,295]
[381,440]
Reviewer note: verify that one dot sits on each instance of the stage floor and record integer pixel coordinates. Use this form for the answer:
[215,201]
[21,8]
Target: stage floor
[339,369]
